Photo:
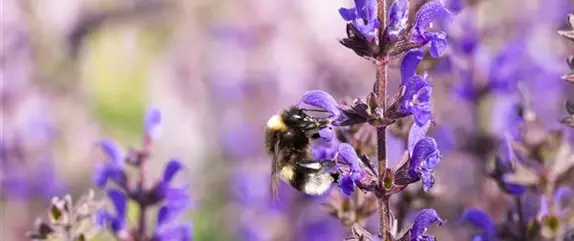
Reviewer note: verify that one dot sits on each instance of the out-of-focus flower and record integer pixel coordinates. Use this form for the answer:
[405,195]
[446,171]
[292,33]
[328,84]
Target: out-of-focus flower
[416,100]
[167,227]
[116,221]
[482,220]
[68,220]
[113,168]
[429,12]
[363,16]
[152,121]
[174,200]
[569,120]
[504,163]
[552,214]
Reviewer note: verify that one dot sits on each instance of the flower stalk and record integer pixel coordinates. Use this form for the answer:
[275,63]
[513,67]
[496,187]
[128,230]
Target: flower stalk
[381,91]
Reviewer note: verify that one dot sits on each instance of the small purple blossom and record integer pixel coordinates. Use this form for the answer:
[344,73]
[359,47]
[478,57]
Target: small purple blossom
[482,220]
[113,168]
[322,100]
[424,155]
[348,157]
[167,227]
[152,121]
[504,165]
[398,17]
[423,220]
[363,16]
[429,12]
[116,221]
[416,100]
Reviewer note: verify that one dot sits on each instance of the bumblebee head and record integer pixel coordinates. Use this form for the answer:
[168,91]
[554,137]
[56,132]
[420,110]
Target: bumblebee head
[297,118]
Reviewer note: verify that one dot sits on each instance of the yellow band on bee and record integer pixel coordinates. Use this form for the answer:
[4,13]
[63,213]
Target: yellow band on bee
[276,123]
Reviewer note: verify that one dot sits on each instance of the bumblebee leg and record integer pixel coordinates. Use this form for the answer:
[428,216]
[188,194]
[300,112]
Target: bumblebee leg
[274,184]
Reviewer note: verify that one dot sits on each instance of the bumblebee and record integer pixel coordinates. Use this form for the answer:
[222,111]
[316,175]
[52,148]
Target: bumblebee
[288,139]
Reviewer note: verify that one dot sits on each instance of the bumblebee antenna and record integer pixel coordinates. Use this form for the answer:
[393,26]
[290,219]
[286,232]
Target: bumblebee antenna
[315,110]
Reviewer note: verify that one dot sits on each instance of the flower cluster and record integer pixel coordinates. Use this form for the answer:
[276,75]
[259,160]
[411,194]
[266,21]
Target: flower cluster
[366,39]
[172,200]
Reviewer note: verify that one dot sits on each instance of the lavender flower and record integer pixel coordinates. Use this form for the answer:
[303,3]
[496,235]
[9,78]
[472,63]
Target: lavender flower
[427,13]
[115,221]
[423,220]
[480,218]
[348,157]
[174,200]
[416,100]
[113,168]
[398,16]
[363,16]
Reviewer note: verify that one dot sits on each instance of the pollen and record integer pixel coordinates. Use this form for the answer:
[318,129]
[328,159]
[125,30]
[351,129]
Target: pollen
[276,123]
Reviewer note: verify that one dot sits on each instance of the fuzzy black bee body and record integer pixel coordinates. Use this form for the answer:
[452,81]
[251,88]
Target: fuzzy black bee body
[288,139]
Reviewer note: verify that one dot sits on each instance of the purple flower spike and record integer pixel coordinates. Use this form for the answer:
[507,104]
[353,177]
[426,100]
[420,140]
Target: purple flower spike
[480,218]
[152,121]
[363,16]
[409,64]
[423,220]
[398,16]
[323,100]
[172,167]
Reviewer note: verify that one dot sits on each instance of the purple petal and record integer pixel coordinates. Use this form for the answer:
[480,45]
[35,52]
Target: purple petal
[119,200]
[429,12]
[563,193]
[172,167]
[438,44]
[424,150]
[479,218]
[515,189]
[101,175]
[348,154]
[346,184]
[177,199]
[326,134]
[416,134]
[102,217]
[370,10]
[424,218]
[347,13]
[323,100]
[422,113]
[162,215]
[428,180]
[113,152]
[409,64]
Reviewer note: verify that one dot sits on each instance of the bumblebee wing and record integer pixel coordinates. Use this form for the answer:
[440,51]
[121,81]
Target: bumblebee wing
[275,174]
